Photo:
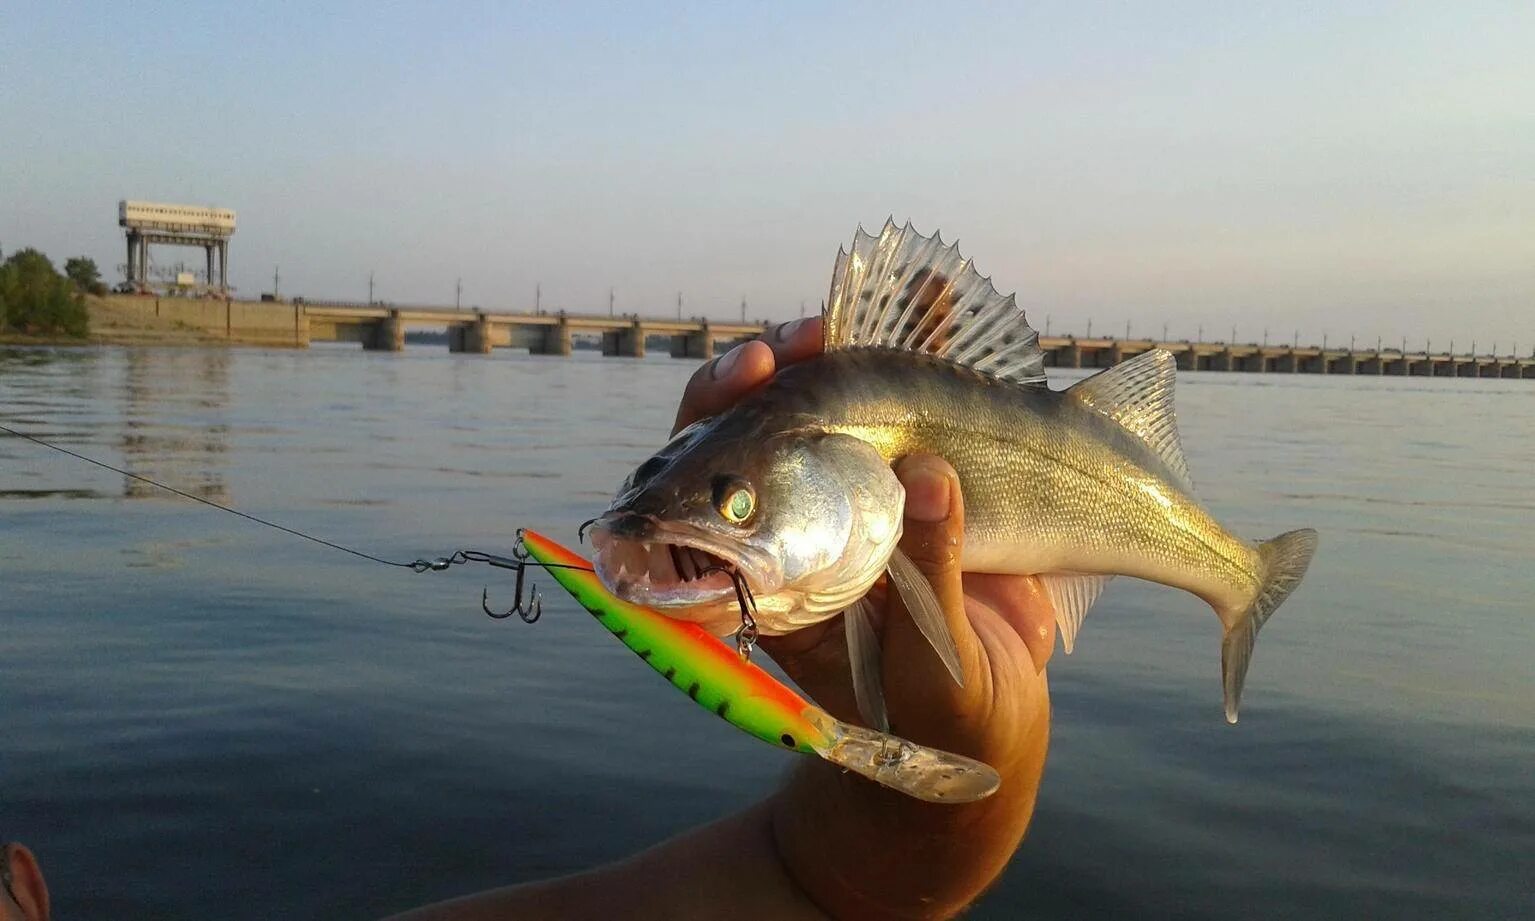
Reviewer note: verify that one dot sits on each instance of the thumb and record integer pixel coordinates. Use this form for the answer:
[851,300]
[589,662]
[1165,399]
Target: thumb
[933,538]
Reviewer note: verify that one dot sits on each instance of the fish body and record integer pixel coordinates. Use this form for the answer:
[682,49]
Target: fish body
[792,488]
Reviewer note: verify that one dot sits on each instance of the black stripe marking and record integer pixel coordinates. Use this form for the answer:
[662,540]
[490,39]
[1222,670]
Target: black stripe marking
[693,690]
[670,672]
[722,709]
[644,654]
[621,632]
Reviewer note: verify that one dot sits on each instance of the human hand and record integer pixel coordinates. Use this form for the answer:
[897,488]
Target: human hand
[849,843]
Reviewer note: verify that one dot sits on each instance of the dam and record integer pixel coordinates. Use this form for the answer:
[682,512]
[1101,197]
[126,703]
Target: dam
[382,327]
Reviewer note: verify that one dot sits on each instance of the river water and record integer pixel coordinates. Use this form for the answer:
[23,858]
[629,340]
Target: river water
[201,718]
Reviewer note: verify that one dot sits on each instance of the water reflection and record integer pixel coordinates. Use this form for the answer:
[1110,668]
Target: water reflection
[171,425]
[158,385]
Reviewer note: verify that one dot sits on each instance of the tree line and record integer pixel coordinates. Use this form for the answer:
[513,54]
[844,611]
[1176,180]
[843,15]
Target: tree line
[35,299]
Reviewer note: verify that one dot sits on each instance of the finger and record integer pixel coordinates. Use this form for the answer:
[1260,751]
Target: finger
[1022,602]
[718,384]
[933,538]
[794,341]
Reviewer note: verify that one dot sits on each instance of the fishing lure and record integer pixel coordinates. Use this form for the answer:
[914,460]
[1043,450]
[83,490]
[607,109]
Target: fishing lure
[723,681]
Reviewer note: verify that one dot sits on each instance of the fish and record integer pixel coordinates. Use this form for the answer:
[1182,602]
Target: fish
[741,693]
[791,492]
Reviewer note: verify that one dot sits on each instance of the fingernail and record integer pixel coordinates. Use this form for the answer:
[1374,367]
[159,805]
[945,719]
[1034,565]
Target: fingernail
[786,331]
[722,366]
[927,493]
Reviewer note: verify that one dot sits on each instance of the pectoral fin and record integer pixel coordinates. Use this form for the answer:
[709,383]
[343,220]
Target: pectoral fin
[863,655]
[917,594]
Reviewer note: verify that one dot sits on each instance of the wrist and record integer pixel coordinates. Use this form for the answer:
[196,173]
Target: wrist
[859,850]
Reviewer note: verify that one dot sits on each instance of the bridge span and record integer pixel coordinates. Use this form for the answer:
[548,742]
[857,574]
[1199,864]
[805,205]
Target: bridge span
[383,327]
[540,333]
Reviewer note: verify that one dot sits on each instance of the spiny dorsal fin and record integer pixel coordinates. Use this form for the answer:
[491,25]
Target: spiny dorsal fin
[901,290]
[1138,394]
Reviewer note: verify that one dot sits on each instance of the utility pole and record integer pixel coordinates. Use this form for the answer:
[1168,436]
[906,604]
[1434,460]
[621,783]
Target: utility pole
[1324,341]
[370,289]
[1201,332]
[276,291]
[743,309]
[1127,329]
[1164,332]
[458,295]
[1233,339]
[610,301]
[1265,337]
[1089,327]
[679,305]
[1350,342]
[802,310]
[1295,340]
[1047,324]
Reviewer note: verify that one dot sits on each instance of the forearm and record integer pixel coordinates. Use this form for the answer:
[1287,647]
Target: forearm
[727,868]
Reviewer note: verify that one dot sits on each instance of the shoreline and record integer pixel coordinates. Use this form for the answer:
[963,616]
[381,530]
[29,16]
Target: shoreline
[115,325]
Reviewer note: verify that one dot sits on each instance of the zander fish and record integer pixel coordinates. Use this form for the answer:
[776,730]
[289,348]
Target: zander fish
[792,492]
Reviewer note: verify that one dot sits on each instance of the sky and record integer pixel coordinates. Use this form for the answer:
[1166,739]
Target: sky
[1340,169]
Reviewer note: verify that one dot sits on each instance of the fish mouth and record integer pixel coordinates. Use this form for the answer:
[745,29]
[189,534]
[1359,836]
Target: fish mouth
[649,562]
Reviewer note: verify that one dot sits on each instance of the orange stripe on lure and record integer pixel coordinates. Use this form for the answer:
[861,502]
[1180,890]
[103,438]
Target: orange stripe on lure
[747,697]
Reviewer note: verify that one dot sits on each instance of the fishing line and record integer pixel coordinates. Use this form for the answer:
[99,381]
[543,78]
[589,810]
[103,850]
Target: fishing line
[529,610]
[458,557]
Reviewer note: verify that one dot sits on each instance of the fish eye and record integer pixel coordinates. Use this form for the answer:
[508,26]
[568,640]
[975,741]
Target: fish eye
[734,498]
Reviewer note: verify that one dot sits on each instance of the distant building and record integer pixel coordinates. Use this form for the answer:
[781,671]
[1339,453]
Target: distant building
[148,223]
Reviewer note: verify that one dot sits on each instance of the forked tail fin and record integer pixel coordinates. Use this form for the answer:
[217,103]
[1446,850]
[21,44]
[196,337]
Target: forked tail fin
[1282,562]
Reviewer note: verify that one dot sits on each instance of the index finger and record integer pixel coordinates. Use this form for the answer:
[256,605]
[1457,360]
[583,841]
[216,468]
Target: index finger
[719,384]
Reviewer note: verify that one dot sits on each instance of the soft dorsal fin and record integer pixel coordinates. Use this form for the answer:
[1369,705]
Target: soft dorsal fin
[1138,394]
[901,290]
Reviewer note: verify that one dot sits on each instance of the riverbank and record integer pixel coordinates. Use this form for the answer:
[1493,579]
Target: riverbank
[133,321]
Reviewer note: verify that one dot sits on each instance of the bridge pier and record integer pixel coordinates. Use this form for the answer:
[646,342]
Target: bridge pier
[1184,359]
[1224,361]
[1397,366]
[1068,356]
[474,338]
[628,342]
[553,339]
[1372,366]
[698,344]
[1343,364]
[386,335]
[1288,363]
[1464,368]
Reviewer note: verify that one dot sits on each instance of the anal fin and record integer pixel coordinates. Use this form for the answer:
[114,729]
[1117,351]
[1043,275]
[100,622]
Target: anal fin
[1072,594]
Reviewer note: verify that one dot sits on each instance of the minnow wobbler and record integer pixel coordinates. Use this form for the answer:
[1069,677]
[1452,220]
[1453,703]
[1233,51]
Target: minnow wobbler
[727,683]
[791,490]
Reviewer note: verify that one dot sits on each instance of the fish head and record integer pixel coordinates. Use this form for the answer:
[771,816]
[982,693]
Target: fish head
[806,519]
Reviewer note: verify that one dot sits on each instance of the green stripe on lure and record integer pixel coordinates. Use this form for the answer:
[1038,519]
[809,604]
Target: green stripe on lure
[743,695]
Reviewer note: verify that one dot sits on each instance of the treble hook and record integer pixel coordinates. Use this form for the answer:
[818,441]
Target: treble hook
[529,610]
